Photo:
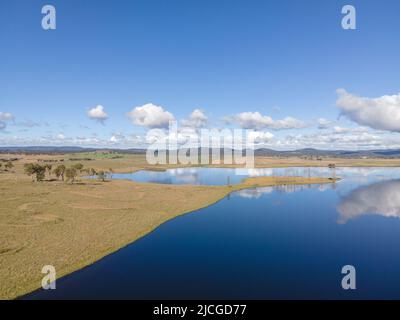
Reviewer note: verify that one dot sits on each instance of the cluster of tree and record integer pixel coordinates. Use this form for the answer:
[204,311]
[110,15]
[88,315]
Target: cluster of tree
[7,166]
[61,171]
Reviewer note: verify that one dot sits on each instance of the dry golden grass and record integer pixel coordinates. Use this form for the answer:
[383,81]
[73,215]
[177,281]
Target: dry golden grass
[72,226]
[274,181]
[274,162]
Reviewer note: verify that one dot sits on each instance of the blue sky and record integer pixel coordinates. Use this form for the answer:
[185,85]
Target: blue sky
[229,59]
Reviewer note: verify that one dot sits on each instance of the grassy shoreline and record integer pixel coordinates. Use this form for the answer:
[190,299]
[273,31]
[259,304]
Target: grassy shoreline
[247,184]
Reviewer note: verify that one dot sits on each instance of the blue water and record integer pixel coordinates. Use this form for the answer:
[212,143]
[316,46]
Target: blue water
[265,243]
[222,176]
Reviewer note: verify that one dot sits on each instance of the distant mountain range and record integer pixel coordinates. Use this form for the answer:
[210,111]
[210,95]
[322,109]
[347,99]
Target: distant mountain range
[390,153]
[66,149]
[307,152]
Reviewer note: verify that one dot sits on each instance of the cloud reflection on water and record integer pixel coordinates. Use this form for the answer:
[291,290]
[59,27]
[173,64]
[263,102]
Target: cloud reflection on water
[382,198]
[255,193]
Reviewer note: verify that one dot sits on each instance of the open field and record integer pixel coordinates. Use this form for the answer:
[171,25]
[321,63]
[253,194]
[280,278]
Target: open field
[73,225]
[122,162]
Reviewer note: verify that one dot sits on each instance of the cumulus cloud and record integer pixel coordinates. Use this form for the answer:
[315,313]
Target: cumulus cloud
[97,113]
[257,121]
[196,119]
[381,113]
[150,116]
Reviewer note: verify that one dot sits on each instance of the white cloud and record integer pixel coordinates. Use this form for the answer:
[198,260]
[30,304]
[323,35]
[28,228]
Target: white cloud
[255,120]
[356,130]
[6,116]
[340,138]
[324,123]
[114,139]
[350,139]
[97,113]
[117,137]
[337,129]
[150,116]
[260,137]
[182,136]
[119,140]
[381,113]
[196,119]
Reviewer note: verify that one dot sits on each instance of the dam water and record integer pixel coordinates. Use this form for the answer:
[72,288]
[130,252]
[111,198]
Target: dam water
[287,242]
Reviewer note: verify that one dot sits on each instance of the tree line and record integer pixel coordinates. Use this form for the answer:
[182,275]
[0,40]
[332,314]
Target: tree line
[68,174]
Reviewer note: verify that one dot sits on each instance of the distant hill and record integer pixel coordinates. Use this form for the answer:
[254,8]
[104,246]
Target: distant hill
[310,152]
[66,149]
[306,152]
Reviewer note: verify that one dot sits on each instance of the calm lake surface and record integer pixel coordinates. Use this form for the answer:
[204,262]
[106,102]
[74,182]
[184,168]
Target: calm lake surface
[275,242]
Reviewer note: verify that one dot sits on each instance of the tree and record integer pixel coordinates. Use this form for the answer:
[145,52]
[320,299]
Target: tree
[78,167]
[29,169]
[35,169]
[70,174]
[40,172]
[60,171]
[9,165]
